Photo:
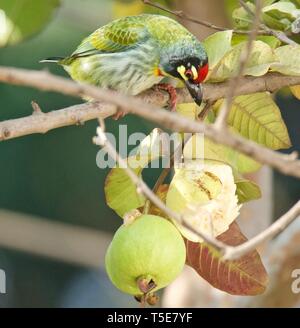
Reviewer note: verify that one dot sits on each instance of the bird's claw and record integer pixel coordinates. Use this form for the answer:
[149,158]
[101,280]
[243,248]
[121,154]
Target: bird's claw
[172,94]
[119,114]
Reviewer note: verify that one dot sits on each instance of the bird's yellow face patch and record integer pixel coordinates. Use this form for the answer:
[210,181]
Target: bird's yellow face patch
[195,73]
[182,70]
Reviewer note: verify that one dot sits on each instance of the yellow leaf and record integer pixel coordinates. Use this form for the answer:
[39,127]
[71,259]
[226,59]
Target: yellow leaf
[122,9]
[220,153]
[217,45]
[258,118]
[296,91]
[288,60]
[259,62]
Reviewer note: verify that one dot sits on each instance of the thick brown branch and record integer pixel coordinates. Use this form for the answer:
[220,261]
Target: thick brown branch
[40,122]
[143,106]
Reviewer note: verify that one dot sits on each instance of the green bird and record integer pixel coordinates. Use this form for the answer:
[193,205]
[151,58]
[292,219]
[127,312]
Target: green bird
[135,53]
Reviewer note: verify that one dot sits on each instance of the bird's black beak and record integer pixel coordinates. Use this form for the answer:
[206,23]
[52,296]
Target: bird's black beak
[195,91]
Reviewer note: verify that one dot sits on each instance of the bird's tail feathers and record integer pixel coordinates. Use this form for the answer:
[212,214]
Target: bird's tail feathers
[57,60]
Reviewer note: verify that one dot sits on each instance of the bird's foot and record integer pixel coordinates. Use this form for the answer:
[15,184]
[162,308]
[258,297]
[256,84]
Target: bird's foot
[119,114]
[172,94]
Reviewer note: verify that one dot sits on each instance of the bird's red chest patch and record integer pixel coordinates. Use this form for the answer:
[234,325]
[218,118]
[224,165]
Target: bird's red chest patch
[202,73]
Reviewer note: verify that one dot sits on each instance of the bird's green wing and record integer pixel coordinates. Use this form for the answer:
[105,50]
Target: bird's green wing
[117,36]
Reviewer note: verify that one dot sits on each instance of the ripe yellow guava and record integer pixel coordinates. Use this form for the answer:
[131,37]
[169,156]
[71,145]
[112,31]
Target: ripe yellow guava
[148,251]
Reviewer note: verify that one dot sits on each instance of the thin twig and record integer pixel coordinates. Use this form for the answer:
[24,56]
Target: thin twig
[165,172]
[232,253]
[228,252]
[182,15]
[204,112]
[36,108]
[101,140]
[279,35]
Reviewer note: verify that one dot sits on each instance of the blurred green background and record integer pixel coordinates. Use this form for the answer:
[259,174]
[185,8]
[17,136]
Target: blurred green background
[55,175]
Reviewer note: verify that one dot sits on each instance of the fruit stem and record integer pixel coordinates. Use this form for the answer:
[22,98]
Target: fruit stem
[131,216]
[147,207]
[152,299]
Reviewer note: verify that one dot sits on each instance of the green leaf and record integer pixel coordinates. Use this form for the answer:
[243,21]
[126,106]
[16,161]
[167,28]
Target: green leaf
[121,193]
[235,159]
[281,10]
[272,41]
[280,15]
[217,45]
[247,190]
[288,60]
[20,19]
[245,276]
[162,195]
[297,3]
[188,110]
[230,6]
[217,152]
[268,2]
[259,62]
[282,25]
[258,118]
[241,18]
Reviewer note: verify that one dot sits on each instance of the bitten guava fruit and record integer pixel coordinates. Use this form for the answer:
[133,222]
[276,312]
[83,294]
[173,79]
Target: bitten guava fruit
[206,195]
[192,188]
[145,255]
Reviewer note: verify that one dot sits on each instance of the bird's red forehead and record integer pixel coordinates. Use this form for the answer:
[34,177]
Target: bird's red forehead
[202,73]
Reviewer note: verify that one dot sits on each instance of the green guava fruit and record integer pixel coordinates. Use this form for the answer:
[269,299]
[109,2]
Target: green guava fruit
[145,255]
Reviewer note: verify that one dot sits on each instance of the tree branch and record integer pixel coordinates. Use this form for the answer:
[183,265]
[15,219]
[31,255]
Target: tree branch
[192,19]
[45,81]
[264,30]
[143,106]
[232,253]
[142,188]
[43,122]
[228,252]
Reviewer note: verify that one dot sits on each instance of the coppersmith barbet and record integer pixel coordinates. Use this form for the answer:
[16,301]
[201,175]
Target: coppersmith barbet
[135,53]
